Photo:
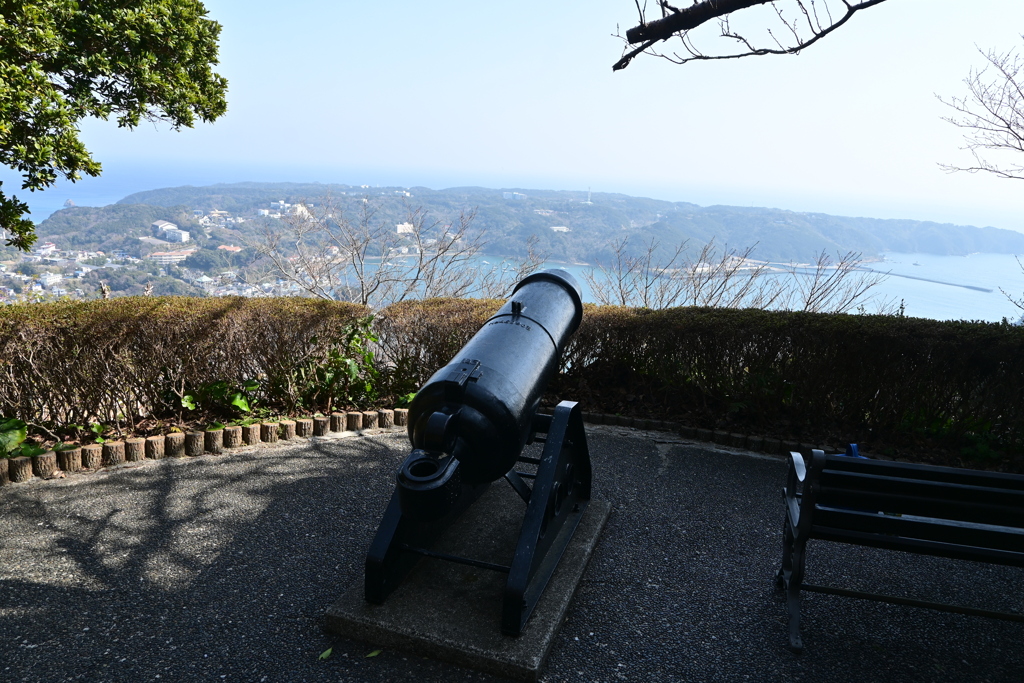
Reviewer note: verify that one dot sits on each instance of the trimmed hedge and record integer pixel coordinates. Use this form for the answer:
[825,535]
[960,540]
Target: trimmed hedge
[826,378]
[845,377]
[818,378]
[119,360]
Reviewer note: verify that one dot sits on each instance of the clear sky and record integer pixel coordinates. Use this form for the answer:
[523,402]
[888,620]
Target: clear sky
[522,95]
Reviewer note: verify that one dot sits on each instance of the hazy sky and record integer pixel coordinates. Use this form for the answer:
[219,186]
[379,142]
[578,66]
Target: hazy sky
[522,95]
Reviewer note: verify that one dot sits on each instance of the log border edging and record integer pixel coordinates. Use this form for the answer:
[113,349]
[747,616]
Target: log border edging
[92,457]
[89,458]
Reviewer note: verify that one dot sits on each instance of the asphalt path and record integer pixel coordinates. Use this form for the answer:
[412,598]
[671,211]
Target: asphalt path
[220,568]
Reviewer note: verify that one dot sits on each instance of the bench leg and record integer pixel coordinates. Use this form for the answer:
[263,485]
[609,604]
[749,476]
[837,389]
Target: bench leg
[790,578]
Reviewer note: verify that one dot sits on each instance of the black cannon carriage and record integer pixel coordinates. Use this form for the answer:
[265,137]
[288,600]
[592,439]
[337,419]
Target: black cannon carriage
[468,426]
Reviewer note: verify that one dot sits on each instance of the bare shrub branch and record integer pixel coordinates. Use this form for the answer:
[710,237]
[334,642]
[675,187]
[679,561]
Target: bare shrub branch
[497,281]
[1018,302]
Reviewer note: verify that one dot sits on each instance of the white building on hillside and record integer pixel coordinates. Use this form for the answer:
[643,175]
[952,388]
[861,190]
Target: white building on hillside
[176,235]
[166,257]
[169,232]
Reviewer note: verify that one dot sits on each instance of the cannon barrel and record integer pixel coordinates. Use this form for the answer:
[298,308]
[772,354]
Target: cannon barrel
[479,408]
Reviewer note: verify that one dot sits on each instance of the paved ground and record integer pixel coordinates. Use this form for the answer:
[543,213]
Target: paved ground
[220,569]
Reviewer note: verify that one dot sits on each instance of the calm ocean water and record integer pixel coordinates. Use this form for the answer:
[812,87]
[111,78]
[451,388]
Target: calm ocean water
[937,287]
[953,287]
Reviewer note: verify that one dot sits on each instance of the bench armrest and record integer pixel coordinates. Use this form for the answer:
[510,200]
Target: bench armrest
[801,507]
[797,466]
[796,474]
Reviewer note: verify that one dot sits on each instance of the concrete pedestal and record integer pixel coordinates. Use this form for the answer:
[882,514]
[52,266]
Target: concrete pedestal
[452,612]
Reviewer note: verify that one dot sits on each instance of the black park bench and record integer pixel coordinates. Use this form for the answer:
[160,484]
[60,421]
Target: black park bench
[924,509]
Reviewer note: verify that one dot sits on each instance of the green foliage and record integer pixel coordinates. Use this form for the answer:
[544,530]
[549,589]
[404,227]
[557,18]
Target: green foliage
[12,433]
[63,61]
[29,450]
[222,397]
[208,260]
[98,431]
[406,400]
[346,375]
[979,448]
[112,228]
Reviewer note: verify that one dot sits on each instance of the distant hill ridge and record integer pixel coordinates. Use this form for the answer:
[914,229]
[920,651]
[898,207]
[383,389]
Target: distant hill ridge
[513,214]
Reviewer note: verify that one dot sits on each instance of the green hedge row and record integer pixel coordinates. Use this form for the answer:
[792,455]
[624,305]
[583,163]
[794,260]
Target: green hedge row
[120,360]
[822,378]
[813,377]
[904,381]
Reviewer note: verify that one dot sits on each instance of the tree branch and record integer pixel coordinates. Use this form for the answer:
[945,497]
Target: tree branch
[992,114]
[679,22]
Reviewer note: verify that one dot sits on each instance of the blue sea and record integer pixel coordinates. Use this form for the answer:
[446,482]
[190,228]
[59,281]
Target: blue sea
[937,287]
[953,287]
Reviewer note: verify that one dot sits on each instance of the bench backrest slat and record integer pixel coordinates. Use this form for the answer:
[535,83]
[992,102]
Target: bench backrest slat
[1000,480]
[939,507]
[939,490]
[968,535]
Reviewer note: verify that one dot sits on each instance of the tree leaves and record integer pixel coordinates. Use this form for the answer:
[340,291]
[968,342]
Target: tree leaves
[63,61]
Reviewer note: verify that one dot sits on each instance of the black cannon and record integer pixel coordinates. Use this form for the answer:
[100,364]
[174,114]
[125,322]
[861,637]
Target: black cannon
[468,426]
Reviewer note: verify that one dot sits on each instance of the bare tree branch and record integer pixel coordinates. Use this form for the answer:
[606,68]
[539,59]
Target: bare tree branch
[328,254]
[834,288]
[497,280]
[992,115]
[678,23]
[1018,302]
[726,278]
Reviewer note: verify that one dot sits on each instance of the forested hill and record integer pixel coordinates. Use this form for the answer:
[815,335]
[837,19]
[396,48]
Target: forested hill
[510,216]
